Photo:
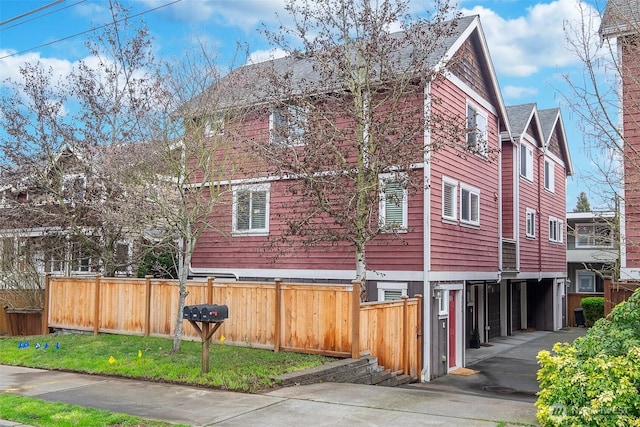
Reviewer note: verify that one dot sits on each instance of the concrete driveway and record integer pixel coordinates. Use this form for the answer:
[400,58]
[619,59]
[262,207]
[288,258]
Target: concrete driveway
[508,371]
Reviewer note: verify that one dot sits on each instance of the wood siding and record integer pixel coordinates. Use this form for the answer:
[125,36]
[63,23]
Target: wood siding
[539,253]
[509,172]
[631,125]
[311,318]
[455,246]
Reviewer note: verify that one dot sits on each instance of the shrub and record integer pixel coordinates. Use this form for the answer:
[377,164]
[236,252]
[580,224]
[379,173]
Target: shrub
[595,380]
[593,309]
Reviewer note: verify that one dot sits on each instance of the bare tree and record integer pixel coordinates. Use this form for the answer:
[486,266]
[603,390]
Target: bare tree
[607,84]
[68,144]
[193,152]
[348,117]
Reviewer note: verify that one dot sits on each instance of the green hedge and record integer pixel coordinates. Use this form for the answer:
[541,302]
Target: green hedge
[595,380]
[593,309]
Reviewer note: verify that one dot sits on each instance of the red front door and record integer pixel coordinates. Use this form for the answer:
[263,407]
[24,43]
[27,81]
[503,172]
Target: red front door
[452,329]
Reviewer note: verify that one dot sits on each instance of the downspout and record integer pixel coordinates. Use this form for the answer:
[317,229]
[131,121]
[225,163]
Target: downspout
[426,241]
[539,186]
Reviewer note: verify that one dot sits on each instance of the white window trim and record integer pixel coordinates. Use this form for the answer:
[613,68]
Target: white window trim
[390,286]
[549,175]
[481,134]
[454,203]
[556,225]
[528,162]
[472,192]
[210,130]
[293,140]
[592,275]
[251,232]
[532,213]
[388,177]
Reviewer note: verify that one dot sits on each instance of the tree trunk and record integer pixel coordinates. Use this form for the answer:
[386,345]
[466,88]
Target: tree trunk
[186,249]
[361,271]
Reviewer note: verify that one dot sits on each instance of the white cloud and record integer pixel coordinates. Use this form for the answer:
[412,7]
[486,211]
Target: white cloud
[517,92]
[11,65]
[245,14]
[522,46]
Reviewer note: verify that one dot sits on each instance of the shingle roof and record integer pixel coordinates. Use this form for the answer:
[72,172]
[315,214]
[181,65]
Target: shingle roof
[519,117]
[548,119]
[621,17]
[248,84]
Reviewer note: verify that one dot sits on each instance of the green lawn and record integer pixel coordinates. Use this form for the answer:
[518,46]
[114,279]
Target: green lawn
[231,368]
[36,412]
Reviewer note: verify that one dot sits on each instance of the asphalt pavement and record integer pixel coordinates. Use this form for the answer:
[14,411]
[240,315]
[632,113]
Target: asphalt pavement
[501,392]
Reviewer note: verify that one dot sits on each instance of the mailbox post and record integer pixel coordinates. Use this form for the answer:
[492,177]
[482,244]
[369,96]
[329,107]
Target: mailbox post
[207,314]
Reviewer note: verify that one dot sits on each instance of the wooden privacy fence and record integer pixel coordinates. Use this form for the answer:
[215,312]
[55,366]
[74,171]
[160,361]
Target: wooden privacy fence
[308,318]
[616,292]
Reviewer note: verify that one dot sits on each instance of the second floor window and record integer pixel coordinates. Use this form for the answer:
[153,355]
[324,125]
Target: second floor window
[549,178]
[469,205]
[593,236]
[287,125]
[449,199]
[251,209]
[555,230]
[526,162]
[476,130]
[213,126]
[393,204]
[531,223]
[73,187]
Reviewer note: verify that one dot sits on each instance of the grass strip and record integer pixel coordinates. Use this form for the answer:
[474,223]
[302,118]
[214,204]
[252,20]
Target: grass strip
[232,368]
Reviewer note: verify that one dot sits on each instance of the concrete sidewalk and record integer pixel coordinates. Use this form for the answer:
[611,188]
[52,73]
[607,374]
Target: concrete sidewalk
[452,400]
[313,405]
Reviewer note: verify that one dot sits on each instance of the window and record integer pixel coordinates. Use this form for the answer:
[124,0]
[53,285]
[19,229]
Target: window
[469,205]
[122,257]
[80,261]
[586,281]
[593,236]
[531,223]
[393,203]
[526,162]
[476,130]
[555,230]
[287,125]
[73,187]
[549,172]
[213,126]
[449,199]
[391,291]
[251,209]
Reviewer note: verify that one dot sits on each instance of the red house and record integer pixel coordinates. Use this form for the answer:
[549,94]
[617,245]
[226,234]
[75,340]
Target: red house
[621,23]
[482,240]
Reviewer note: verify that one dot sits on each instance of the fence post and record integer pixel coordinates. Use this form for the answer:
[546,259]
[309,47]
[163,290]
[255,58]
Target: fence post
[278,320]
[405,335]
[45,308]
[419,335]
[355,320]
[210,289]
[96,310]
[608,301]
[147,305]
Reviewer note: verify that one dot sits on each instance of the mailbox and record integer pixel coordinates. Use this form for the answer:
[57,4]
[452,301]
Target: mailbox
[205,312]
[214,313]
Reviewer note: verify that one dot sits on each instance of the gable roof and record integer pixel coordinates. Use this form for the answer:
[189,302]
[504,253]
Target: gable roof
[547,123]
[248,84]
[621,18]
[520,116]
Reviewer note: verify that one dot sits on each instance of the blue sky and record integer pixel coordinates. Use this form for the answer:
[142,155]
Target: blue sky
[526,40]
